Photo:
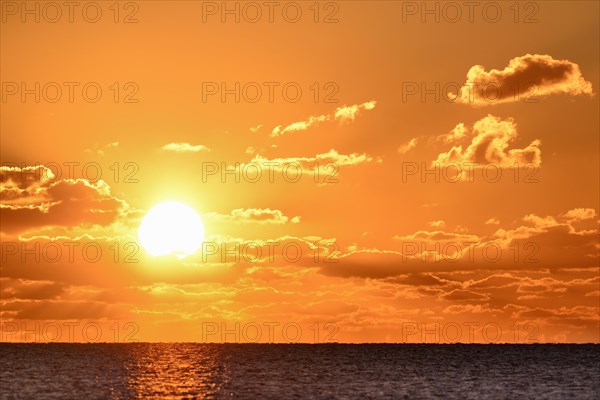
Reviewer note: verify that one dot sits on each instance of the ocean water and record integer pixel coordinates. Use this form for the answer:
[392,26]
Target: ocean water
[295,371]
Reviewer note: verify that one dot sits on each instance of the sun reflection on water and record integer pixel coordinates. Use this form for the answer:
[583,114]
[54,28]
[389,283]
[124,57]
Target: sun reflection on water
[176,370]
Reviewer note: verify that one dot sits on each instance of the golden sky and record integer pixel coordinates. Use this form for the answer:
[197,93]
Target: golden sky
[427,173]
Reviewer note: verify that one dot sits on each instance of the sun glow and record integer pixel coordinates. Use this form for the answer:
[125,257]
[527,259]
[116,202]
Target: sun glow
[171,228]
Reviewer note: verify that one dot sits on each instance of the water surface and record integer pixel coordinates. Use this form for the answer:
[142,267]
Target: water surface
[295,371]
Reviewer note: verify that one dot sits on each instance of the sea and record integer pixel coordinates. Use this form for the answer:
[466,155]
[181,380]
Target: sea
[298,371]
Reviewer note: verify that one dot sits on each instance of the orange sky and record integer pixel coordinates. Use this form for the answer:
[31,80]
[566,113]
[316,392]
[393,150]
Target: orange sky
[392,244]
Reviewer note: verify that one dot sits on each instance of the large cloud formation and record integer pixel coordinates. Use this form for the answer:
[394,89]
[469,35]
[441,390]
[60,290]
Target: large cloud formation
[32,197]
[491,138]
[527,77]
[541,271]
[368,293]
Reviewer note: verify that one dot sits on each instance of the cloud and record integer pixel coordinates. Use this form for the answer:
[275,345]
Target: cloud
[540,222]
[299,126]
[578,315]
[325,165]
[256,128]
[185,148]
[62,310]
[467,309]
[437,224]
[342,114]
[465,295]
[418,279]
[102,150]
[438,237]
[530,75]
[579,214]
[31,198]
[550,243]
[29,289]
[23,185]
[411,144]
[458,133]
[360,290]
[495,281]
[538,242]
[492,137]
[492,221]
[267,290]
[349,113]
[254,215]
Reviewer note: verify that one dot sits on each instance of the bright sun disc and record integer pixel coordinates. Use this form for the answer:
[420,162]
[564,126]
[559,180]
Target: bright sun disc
[171,228]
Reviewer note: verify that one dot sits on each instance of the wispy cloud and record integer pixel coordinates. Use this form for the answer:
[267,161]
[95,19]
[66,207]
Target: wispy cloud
[254,215]
[411,144]
[183,147]
[101,150]
[342,114]
[255,129]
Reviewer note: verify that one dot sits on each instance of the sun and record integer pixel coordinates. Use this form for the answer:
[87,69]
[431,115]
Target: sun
[171,228]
